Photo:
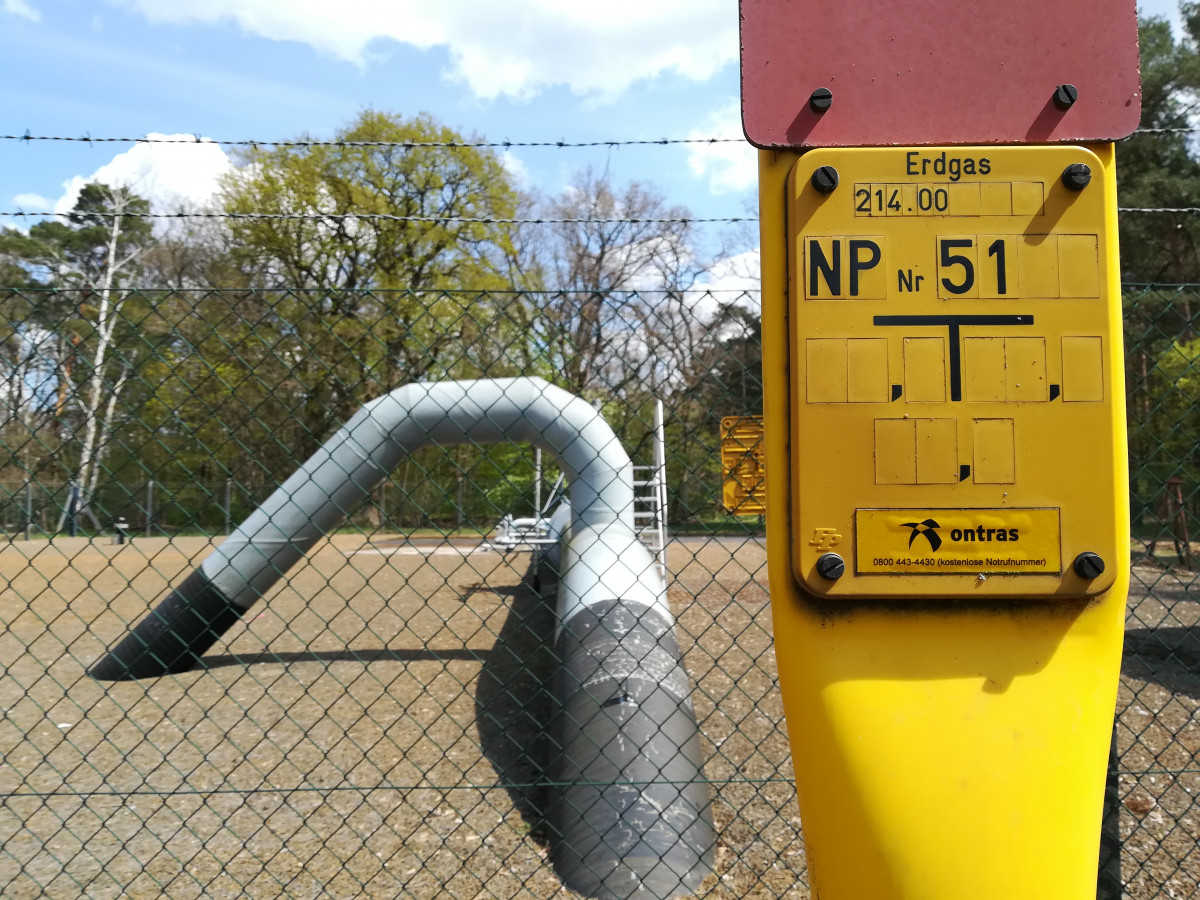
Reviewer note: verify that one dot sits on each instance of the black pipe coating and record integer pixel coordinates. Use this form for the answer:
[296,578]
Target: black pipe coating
[174,635]
[629,811]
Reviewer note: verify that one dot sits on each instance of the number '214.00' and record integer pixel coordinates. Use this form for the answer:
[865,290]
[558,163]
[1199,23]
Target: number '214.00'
[881,201]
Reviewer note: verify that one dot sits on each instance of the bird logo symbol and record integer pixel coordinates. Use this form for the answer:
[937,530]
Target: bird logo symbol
[927,529]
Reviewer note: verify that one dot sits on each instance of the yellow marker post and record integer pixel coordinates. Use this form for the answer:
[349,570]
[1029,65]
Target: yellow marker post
[947,525]
[945,432]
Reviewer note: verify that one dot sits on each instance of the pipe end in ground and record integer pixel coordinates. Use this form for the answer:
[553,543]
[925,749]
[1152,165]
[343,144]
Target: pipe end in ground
[174,635]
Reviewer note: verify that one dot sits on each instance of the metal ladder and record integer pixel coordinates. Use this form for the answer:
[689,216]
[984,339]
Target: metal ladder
[650,497]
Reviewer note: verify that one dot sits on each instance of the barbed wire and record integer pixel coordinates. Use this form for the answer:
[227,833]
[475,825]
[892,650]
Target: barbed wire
[482,144]
[27,136]
[195,139]
[1180,130]
[467,220]
[700,288]
[389,217]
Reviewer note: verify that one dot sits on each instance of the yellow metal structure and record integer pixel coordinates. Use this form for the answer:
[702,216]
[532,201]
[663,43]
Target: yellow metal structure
[744,491]
[942,365]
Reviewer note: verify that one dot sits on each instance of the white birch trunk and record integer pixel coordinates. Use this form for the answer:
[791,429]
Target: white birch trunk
[98,410]
[105,323]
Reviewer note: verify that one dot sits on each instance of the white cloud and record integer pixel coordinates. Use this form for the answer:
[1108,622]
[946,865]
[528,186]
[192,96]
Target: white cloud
[516,48]
[23,9]
[734,279]
[33,203]
[168,175]
[729,167]
[516,167]
[742,272]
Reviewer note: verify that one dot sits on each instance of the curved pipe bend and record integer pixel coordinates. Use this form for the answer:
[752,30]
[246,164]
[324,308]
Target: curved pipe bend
[354,461]
[344,472]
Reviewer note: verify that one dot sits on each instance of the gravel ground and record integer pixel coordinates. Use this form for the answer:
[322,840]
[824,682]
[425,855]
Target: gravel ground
[395,748]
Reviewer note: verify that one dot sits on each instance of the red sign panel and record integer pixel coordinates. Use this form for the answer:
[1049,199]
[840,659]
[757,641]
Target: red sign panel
[938,72]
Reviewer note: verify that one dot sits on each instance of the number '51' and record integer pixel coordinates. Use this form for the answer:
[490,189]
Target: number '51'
[948,259]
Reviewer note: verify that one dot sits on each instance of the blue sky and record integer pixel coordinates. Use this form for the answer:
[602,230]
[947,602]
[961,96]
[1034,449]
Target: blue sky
[521,70]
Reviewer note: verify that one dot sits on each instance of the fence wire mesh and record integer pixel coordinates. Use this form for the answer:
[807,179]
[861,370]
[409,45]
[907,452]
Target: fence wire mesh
[1158,728]
[384,722]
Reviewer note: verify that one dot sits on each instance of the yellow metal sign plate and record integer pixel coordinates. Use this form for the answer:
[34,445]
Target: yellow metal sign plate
[955,345]
[743,460]
[980,542]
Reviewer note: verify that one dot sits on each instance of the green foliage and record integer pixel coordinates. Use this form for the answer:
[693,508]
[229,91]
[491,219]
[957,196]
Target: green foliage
[1165,431]
[732,382]
[442,188]
[346,305]
[76,252]
[74,334]
[1163,396]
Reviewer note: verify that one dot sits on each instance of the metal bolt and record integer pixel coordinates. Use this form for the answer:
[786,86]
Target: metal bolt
[1077,176]
[830,566]
[825,179]
[1088,565]
[1065,96]
[820,100]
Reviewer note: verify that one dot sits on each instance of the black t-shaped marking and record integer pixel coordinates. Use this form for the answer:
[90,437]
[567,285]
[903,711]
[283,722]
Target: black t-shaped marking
[953,323]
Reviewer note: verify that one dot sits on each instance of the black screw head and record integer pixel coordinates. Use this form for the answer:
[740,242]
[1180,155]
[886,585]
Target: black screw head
[1088,565]
[1077,176]
[825,179]
[1065,96]
[830,566]
[820,100]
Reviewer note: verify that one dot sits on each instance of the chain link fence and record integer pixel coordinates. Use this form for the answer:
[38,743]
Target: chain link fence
[1158,726]
[387,721]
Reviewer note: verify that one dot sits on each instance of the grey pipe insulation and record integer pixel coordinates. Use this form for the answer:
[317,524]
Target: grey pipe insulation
[344,471]
[628,809]
[628,812]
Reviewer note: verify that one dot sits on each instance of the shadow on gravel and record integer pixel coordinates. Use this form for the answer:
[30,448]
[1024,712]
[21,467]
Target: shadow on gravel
[1168,655]
[503,590]
[383,654]
[513,701]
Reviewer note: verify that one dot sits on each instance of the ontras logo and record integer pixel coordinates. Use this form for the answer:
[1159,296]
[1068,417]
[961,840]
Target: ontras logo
[984,535]
[926,529]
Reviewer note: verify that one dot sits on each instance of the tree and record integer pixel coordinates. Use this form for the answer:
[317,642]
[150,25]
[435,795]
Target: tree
[723,377]
[366,304]
[193,253]
[729,367]
[92,258]
[606,248]
[444,201]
